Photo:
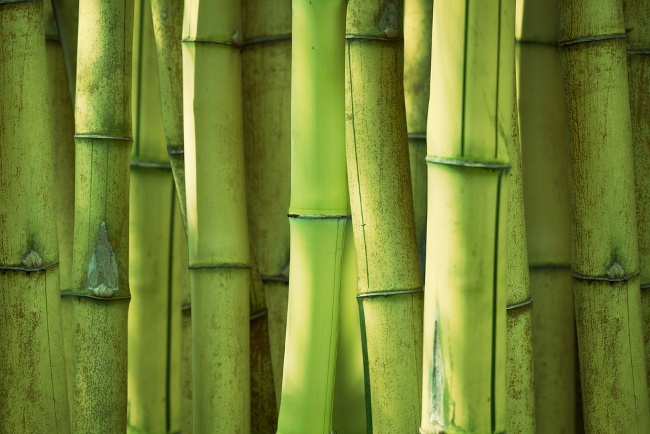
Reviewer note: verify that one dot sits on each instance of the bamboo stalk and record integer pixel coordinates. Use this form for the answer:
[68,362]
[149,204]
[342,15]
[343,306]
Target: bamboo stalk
[150,331]
[469,124]
[605,261]
[390,286]
[266,82]
[219,252]
[638,63]
[317,215]
[101,233]
[66,13]
[520,378]
[546,196]
[33,383]
[418,16]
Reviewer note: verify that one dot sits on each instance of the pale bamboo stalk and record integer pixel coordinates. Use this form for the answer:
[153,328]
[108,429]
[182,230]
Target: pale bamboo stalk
[418,16]
[62,130]
[546,196]
[469,125]
[638,63]
[101,233]
[520,378]
[390,284]
[66,13]
[150,226]
[219,250]
[266,82]
[317,215]
[33,383]
[605,261]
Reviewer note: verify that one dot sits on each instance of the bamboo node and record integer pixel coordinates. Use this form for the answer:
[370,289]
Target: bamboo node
[102,268]
[615,271]
[388,23]
[237,38]
[32,260]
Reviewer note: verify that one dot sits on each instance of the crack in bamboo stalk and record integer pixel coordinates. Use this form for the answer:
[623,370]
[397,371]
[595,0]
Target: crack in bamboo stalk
[588,277]
[151,165]
[527,302]
[599,38]
[8,267]
[388,292]
[266,39]
[467,163]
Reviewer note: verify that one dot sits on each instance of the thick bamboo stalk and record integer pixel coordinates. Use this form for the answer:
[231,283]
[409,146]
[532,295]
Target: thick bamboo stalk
[150,226]
[390,284]
[66,13]
[520,381]
[469,124]
[266,81]
[418,16]
[546,196]
[101,233]
[219,252]
[605,261]
[638,63]
[33,387]
[317,215]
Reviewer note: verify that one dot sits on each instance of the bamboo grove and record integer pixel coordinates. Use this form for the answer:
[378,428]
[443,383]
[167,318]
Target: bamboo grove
[324,216]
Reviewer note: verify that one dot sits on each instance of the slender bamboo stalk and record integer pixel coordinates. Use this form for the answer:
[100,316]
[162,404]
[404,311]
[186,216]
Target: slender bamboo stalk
[219,252]
[317,215]
[390,285]
[469,125]
[520,378]
[605,262]
[33,383]
[418,16]
[266,82]
[638,63]
[66,13]
[101,233]
[62,130]
[546,196]
[150,377]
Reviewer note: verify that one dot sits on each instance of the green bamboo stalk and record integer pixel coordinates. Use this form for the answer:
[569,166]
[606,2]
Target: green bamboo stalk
[101,232]
[390,285]
[219,252]
[349,411]
[62,130]
[317,215]
[418,16]
[66,13]
[520,378]
[149,380]
[605,261]
[266,82]
[546,196]
[469,125]
[638,63]
[33,383]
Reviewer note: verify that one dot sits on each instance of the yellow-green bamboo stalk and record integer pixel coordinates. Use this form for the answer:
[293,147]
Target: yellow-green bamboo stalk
[62,130]
[66,13]
[349,411]
[638,63]
[469,125]
[605,261]
[150,226]
[101,233]
[317,214]
[418,16]
[546,196]
[33,383]
[266,82]
[390,284]
[219,252]
[520,381]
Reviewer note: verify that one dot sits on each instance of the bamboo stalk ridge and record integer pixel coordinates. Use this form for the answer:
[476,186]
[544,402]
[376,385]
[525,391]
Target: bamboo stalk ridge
[605,261]
[266,82]
[418,16]
[469,125]
[219,252]
[638,63]
[390,285]
[546,197]
[150,402]
[33,384]
[520,378]
[317,215]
